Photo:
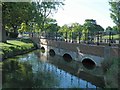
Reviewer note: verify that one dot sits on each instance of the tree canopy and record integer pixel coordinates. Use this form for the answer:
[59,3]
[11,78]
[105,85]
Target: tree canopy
[92,26]
[15,13]
[32,16]
[115,12]
[44,9]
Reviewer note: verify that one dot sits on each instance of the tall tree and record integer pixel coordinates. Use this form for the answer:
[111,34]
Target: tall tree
[14,13]
[2,30]
[92,26]
[108,30]
[46,8]
[115,12]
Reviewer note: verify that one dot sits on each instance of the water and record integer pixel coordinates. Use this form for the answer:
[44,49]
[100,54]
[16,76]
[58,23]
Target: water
[39,70]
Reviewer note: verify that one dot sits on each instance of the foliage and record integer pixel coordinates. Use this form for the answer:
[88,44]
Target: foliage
[115,12]
[76,30]
[64,29]
[108,29]
[84,34]
[115,29]
[23,28]
[44,10]
[29,16]
[110,68]
[71,30]
[15,13]
[51,25]
[91,25]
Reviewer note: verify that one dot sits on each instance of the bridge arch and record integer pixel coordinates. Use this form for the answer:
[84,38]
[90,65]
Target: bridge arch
[88,63]
[52,52]
[67,57]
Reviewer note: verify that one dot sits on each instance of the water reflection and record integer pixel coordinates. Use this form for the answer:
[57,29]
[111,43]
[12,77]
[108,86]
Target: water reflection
[36,70]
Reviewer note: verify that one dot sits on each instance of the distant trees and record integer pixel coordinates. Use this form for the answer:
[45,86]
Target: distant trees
[51,25]
[92,26]
[76,30]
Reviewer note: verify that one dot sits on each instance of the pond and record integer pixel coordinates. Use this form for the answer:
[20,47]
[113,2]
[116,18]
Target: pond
[39,70]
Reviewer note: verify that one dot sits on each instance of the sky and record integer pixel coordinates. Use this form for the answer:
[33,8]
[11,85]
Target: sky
[79,10]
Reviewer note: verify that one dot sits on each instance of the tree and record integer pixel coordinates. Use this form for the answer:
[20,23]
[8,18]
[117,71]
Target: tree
[115,12]
[108,30]
[2,30]
[115,29]
[92,26]
[76,28]
[65,31]
[44,9]
[15,13]
[51,25]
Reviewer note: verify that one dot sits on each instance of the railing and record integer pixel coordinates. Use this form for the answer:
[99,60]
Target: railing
[98,38]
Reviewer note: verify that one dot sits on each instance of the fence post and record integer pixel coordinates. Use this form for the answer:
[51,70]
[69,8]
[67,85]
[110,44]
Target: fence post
[56,35]
[48,35]
[109,38]
[72,37]
[101,37]
[85,37]
[112,41]
[66,36]
[88,37]
[79,36]
[98,38]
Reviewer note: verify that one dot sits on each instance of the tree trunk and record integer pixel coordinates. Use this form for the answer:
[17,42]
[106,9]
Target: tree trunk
[3,37]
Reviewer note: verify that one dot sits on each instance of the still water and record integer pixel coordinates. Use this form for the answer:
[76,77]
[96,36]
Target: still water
[39,70]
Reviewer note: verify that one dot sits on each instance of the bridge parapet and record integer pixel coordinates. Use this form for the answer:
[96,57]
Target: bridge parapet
[101,51]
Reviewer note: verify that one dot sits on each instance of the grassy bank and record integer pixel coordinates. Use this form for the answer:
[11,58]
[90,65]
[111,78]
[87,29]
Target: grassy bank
[114,36]
[16,47]
[111,72]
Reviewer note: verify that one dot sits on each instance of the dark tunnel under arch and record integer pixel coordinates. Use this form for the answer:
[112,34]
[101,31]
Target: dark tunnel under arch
[67,57]
[88,63]
[52,52]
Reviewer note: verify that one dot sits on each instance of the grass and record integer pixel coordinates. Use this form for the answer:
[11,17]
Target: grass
[114,37]
[15,46]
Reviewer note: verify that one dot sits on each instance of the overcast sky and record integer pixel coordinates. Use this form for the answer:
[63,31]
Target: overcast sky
[79,10]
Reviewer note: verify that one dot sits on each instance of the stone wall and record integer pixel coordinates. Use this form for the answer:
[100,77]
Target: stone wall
[97,50]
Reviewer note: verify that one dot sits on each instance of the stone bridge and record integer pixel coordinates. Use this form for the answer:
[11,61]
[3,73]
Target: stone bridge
[85,53]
